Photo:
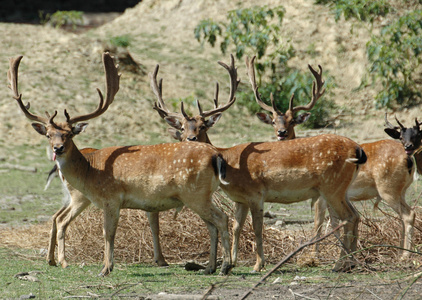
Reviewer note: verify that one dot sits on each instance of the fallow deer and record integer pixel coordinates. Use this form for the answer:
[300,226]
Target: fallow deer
[152,178]
[409,137]
[284,123]
[387,174]
[284,173]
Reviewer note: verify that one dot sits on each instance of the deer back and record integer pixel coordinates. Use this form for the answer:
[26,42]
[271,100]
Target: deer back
[294,169]
[142,175]
[388,168]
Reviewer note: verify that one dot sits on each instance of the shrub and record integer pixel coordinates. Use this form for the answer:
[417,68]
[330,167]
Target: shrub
[257,31]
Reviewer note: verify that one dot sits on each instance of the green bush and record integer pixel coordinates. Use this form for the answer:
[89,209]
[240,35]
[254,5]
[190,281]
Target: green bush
[257,31]
[394,54]
[62,17]
[395,57]
[120,41]
[363,10]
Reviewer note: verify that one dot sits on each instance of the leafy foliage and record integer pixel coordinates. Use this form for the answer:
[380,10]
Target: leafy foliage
[121,41]
[395,57]
[62,17]
[363,10]
[394,53]
[257,30]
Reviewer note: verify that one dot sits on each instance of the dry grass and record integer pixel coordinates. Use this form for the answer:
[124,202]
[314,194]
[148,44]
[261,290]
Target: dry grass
[186,238]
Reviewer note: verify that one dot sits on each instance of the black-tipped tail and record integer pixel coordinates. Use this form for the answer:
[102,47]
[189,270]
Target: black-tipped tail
[360,157]
[220,167]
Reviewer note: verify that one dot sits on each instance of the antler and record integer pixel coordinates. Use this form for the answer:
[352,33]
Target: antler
[389,125]
[157,88]
[234,82]
[250,68]
[12,76]
[316,91]
[112,87]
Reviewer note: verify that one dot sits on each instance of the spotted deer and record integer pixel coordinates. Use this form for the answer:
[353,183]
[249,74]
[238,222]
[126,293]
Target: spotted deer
[284,123]
[152,178]
[386,175]
[279,172]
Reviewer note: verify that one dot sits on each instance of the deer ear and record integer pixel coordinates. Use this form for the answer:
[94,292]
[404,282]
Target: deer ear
[80,127]
[40,128]
[213,119]
[176,134]
[265,118]
[302,118]
[393,133]
[173,122]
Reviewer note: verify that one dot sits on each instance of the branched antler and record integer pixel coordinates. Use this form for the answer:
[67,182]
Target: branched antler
[112,87]
[12,76]
[250,67]
[157,88]
[317,91]
[234,82]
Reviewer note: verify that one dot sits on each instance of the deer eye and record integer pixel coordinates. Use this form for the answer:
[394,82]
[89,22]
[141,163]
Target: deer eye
[47,135]
[182,129]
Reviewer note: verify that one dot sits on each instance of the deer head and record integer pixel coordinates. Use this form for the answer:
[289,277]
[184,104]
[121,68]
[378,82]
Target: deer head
[60,134]
[284,123]
[185,127]
[409,137]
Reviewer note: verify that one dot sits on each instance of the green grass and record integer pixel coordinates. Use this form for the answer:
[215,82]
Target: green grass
[24,199]
[126,280]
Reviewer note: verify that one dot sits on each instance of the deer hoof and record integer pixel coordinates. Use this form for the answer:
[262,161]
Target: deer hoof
[209,271]
[52,262]
[225,268]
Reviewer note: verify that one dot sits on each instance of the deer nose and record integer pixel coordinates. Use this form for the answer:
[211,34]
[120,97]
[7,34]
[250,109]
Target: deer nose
[192,138]
[408,146]
[281,132]
[58,148]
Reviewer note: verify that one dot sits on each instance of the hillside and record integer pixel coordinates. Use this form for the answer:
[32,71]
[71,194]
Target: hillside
[61,70]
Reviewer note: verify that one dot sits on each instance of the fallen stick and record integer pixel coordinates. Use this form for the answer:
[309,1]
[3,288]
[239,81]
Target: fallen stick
[290,255]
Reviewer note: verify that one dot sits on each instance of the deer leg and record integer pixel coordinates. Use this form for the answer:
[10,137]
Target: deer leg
[241,212]
[111,220]
[155,231]
[257,211]
[76,206]
[212,263]
[53,238]
[344,210]
[407,217]
[320,208]
[217,222]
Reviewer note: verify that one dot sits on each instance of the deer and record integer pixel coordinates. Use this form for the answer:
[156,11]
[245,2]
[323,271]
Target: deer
[288,172]
[148,177]
[284,123]
[410,137]
[386,176]
[76,202]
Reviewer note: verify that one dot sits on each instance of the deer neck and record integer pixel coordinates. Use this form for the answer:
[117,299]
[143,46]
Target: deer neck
[74,166]
[207,139]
